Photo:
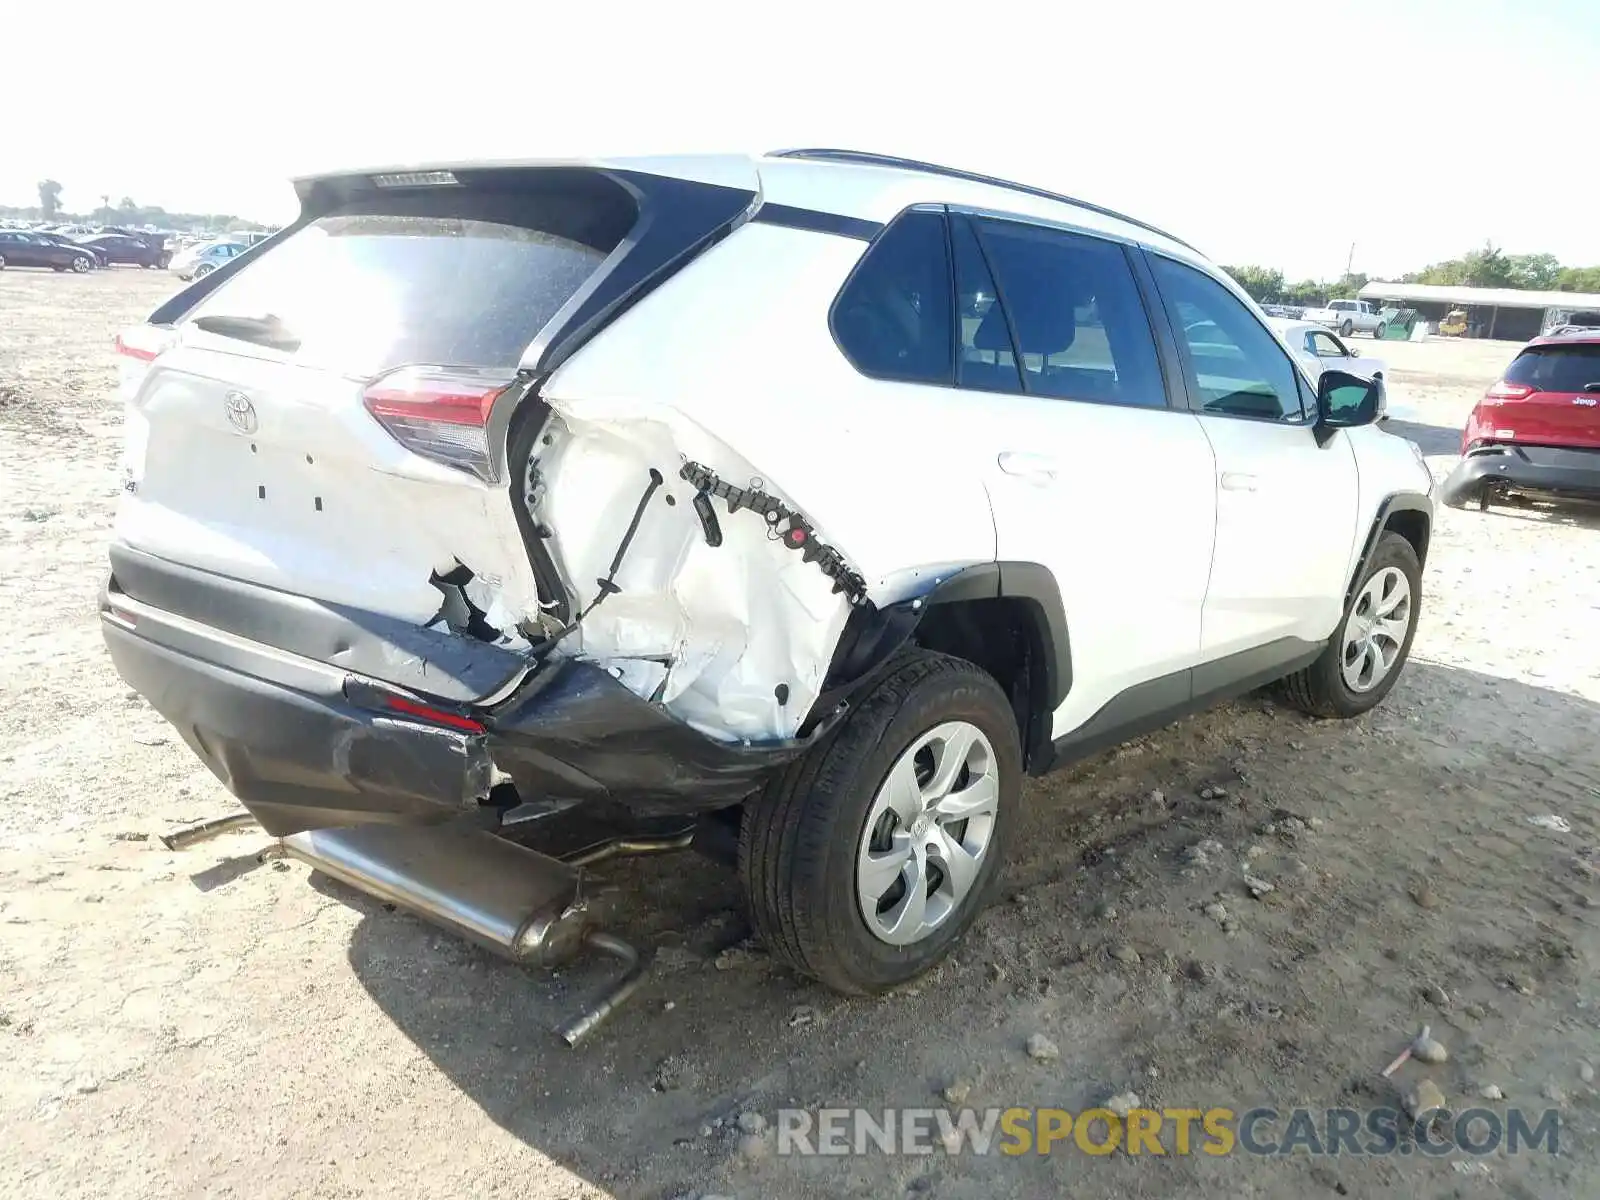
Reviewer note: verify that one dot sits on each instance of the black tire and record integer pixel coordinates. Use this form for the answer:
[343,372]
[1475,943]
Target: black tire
[1320,689]
[1383,328]
[1346,329]
[799,836]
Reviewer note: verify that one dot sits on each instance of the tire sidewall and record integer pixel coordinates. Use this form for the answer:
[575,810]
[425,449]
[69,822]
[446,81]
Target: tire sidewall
[1392,551]
[855,778]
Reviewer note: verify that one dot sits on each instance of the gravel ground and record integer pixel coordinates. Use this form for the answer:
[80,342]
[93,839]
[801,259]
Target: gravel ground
[193,1024]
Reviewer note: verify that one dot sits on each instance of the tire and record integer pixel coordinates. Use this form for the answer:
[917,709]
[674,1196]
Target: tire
[81,265]
[1346,328]
[1324,688]
[803,837]
[203,270]
[1383,328]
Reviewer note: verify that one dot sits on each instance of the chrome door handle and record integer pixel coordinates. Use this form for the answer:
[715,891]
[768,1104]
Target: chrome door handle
[1239,481]
[1036,468]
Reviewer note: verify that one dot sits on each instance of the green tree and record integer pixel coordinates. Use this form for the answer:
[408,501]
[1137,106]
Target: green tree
[49,198]
[1264,284]
[1578,279]
[1536,271]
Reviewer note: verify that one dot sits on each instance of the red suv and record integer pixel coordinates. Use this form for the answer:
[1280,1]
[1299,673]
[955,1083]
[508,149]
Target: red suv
[1538,429]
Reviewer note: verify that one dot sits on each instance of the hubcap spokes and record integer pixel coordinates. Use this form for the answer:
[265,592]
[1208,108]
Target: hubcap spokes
[927,833]
[1376,630]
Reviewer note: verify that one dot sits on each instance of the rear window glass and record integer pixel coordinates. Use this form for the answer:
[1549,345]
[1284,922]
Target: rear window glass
[362,292]
[1557,368]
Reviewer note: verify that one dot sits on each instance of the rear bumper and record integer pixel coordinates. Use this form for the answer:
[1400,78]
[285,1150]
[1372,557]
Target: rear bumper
[1544,469]
[308,744]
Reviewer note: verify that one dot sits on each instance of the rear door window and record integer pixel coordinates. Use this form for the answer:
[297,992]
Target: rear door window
[452,278]
[892,317]
[1077,318]
[1557,368]
[987,360]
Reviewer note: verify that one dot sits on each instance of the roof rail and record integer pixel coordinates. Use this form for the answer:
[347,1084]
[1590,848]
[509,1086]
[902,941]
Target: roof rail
[867,158]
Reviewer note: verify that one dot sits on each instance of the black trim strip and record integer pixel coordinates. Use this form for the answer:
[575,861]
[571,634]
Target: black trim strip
[815,221]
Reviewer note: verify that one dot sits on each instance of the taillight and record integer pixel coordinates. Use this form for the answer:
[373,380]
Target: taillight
[438,716]
[143,343]
[1510,391]
[441,413]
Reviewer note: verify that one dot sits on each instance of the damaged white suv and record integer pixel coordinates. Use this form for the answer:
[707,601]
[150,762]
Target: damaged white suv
[817,497]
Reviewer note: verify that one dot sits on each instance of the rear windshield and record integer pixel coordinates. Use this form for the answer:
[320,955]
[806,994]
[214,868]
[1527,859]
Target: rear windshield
[450,277]
[1557,368]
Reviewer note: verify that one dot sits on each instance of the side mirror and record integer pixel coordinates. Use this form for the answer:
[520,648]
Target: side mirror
[1343,402]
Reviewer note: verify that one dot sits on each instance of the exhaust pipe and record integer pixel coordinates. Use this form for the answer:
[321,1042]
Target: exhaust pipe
[516,902]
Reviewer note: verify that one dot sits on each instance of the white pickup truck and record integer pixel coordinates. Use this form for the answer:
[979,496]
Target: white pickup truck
[1348,316]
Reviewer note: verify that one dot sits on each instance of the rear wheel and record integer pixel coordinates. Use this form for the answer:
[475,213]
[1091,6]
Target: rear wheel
[1366,654]
[203,270]
[1346,328]
[867,859]
[1382,329]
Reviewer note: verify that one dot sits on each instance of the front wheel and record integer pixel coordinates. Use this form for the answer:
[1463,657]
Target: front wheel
[865,860]
[80,264]
[203,270]
[1366,654]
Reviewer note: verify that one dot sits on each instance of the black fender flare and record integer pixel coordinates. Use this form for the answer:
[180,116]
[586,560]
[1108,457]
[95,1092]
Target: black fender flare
[1395,502]
[873,635]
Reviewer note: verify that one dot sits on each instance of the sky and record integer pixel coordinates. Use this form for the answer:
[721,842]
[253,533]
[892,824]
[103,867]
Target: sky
[1276,133]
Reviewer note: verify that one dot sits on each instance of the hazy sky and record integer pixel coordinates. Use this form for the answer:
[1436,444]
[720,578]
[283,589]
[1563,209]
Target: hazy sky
[1262,132]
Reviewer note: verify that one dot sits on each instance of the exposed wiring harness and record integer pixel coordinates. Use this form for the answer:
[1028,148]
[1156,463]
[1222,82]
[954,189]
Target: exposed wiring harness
[783,525]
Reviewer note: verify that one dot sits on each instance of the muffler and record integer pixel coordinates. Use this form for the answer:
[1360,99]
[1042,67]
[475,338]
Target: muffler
[516,902]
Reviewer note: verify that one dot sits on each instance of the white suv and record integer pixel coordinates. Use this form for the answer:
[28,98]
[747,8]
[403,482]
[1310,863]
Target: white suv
[817,497]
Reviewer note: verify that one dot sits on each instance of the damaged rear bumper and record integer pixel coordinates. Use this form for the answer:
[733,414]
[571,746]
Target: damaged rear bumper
[1549,470]
[307,744]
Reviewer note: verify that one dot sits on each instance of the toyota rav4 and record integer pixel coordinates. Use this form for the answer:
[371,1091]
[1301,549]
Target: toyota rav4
[818,497]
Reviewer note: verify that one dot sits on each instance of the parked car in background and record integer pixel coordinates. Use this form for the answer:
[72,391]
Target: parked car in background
[1320,349]
[126,249]
[19,249]
[1536,431]
[71,244]
[196,262]
[1347,316]
[375,480]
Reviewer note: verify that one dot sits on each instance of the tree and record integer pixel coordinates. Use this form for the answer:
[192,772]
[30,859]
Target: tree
[49,198]
[126,204]
[1264,284]
[1578,279]
[1536,271]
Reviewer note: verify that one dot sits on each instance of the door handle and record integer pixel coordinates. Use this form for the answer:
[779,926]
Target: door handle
[1239,481]
[1035,468]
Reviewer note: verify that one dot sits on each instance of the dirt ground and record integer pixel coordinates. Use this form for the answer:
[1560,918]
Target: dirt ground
[193,1024]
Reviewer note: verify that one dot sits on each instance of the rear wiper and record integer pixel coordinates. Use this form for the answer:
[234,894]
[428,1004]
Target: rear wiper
[269,331]
[1592,387]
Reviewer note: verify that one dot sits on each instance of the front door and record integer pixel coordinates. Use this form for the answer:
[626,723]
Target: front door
[1286,507]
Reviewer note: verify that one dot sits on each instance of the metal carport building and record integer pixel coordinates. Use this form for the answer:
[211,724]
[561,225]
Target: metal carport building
[1508,313]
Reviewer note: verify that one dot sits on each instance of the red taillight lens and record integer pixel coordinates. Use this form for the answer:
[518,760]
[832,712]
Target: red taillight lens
[143,343]
[438,716]
[1510,391]
[441,413]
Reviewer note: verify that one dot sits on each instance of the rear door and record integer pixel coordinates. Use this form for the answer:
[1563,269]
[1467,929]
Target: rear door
[1563,406]
[1286,507]
[1090,470]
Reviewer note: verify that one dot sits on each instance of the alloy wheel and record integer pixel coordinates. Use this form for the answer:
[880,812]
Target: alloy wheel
[1375,630]
[928,832]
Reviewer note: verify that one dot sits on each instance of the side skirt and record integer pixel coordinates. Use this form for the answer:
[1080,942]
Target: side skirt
[1156,703]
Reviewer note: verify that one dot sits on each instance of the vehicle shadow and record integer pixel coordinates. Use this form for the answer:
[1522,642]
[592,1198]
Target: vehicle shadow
[1430,439]
[646,1109]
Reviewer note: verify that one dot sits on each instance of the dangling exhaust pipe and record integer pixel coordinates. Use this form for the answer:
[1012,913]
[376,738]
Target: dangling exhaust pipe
[516,902]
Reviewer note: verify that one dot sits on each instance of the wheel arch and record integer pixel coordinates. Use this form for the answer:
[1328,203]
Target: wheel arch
[1410,514]
[1006,617]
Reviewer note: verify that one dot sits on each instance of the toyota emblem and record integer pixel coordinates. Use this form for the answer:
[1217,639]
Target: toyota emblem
[241,413]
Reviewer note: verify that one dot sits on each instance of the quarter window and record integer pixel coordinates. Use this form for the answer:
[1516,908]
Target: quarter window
[893,318]
[1233,365]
